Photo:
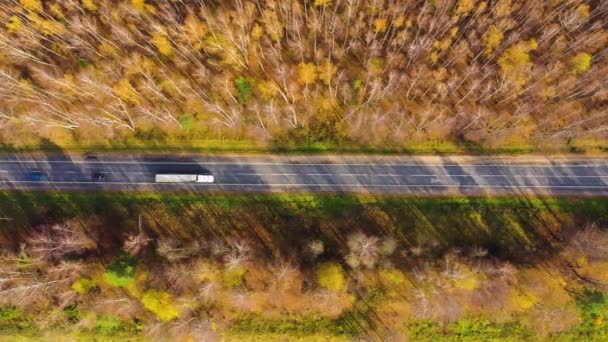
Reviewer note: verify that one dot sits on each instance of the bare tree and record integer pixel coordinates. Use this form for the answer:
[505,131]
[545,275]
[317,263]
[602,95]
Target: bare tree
[362,250]
[55,241]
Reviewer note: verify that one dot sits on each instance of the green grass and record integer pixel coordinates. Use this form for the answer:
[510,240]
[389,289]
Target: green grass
[471,330]
[149,142]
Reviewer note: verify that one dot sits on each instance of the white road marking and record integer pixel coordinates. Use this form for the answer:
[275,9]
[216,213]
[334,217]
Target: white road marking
[322,185]
[496,175]
[353,174]
[319,174]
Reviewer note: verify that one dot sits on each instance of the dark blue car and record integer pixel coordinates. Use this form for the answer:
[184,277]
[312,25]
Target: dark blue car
[37,176]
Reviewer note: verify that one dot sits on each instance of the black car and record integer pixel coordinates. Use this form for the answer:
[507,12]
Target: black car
[90,157]
[98,176]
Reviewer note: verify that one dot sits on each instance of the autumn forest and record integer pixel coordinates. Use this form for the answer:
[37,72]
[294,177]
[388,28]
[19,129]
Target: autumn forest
[286,75]
[364,73]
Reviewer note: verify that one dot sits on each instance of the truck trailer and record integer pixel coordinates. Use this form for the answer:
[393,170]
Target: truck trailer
[183,178]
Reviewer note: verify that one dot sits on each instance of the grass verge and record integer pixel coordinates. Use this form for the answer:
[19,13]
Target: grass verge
[314,147]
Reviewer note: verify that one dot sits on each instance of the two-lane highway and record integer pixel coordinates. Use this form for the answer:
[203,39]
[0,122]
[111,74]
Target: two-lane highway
[263,173]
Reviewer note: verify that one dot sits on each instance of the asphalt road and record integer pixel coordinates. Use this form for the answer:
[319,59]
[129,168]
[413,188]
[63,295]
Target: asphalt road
[263,173]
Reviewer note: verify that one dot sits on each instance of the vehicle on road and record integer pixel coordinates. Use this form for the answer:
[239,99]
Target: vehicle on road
[183,178]
[37,176]
[98,176]
[90,157]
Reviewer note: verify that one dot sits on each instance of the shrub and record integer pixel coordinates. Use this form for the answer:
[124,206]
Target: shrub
[331,276]
[13,319]
[187,121]
[243,86]
[161,304]
[72,313]
[108,325]
[581,62]
[83,285]
[233,276]
[121,272]
[392,275]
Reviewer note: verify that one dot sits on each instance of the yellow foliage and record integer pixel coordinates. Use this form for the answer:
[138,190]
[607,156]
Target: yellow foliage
[125,91]
[581,62]
[547,91]
[32,5]
[491,39]
[464,6]
[584,10]
[469,280]
[162,43]
[257,32]
[399,21]
[307,73]
[83,285]
[597,270]
[515,60]
[195,31]
[206,272]
[46,26]
[392,275]
[267,89]
[107,49]
[14,24]
[139,4]
[331,276]
[320,3]
[434,57]
[137,63]
[272,25]
[502,8]
[89,5]
[26,86]
[218,44]
[453,31]
[523,300]
[56,10]
[376,66]
[161,304]
[380,25]
[443,44]
[327,71]
[233,276]
[134,288]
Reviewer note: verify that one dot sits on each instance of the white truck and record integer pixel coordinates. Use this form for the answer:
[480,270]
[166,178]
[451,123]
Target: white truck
[183,178]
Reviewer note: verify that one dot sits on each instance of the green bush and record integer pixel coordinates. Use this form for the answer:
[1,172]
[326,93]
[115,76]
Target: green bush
[113,326]
[13,319]
[243,87]
[187,121]
[293,325]
[121,272]
[593,308]
[72,313]
[469,329]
